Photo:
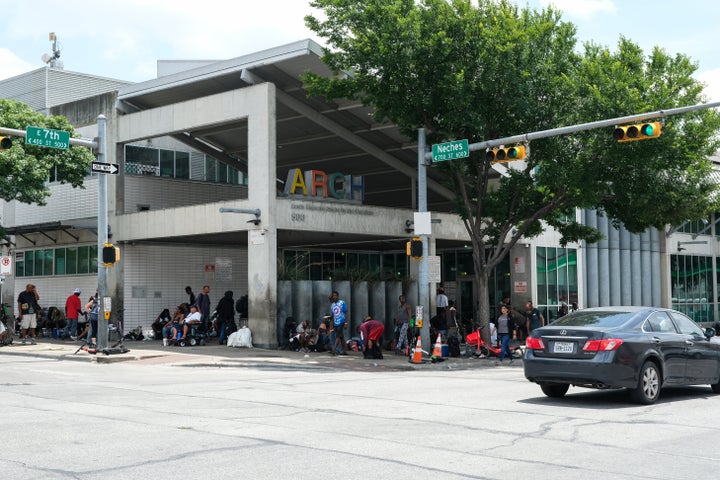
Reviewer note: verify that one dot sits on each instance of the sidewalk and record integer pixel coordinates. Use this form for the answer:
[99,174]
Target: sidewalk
[152,352]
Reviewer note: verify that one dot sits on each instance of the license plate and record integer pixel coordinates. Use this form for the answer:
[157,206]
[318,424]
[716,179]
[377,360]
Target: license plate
[563,347]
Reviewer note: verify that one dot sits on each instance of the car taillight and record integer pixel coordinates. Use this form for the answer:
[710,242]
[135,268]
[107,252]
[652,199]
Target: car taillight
[535,343]
[604,345]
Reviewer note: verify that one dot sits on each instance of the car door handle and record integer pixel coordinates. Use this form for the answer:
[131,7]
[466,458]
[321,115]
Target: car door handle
[656,340]
[689,343]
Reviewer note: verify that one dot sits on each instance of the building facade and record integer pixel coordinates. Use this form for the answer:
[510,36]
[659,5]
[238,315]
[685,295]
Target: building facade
[231,177]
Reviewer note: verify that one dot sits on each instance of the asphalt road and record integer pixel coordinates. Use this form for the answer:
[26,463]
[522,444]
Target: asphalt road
[162,417]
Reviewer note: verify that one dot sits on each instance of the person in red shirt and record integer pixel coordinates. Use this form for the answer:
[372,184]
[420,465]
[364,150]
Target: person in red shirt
[372,332]
[73,309]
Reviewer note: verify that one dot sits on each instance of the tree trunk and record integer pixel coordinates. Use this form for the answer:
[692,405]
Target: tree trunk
[482,273]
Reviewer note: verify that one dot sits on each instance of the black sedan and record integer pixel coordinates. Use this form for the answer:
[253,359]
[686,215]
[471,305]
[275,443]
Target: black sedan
[639,348]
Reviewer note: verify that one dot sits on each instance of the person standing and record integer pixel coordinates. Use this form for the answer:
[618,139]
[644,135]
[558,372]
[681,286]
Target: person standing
[191,295]
[225,314]
[441,302]
[505,326]
[28,309]
[73,309]
[533,318]
[93,309]
[402,319]
[338,309]
[203,304]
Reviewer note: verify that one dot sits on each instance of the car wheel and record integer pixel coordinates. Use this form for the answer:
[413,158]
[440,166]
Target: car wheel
[649,383]
[554,390]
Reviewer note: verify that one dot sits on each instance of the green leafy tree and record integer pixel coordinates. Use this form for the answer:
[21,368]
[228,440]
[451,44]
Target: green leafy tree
[26,169]
[487,70]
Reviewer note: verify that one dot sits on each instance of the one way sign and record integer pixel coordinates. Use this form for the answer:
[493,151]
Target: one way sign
[100,167]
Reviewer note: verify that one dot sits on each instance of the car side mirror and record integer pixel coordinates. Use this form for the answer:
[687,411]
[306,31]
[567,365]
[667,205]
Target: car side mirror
[709,332]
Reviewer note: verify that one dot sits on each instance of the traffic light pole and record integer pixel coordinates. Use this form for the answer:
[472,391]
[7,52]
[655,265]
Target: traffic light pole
[423,294]
[102,235]
[611,122]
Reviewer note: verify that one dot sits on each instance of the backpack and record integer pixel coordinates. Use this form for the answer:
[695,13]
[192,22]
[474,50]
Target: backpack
[94,310]
[454,346]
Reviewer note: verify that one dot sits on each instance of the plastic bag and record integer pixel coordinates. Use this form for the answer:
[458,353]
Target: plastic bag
[241,338]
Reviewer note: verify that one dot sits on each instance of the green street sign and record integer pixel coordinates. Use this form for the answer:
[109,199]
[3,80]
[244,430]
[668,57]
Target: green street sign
[450,150]
[46,137]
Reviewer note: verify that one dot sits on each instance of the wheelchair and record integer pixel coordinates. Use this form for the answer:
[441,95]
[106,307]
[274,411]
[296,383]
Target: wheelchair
[195,336]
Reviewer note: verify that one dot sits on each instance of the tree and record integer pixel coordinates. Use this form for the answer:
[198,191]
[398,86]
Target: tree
[507,71]
[26,169]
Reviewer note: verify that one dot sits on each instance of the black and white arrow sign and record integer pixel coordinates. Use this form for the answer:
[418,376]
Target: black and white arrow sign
[100,167]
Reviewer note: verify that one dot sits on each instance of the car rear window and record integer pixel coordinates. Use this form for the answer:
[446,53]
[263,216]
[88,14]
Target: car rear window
[593,319]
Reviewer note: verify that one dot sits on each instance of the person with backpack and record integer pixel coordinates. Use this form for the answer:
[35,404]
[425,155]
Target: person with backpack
[225,315]
[93,309]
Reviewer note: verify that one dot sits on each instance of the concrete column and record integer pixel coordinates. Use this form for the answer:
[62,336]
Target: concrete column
[262,240]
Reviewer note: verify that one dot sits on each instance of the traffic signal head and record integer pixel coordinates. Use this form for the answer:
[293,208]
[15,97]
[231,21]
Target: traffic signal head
[641,131]
[415,248]
[110,254]
[5,143]
[509,154]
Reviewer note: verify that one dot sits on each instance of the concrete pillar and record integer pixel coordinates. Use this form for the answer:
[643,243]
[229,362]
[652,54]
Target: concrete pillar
[262,240]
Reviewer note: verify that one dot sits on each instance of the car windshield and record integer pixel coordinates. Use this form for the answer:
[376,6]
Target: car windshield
[585,318]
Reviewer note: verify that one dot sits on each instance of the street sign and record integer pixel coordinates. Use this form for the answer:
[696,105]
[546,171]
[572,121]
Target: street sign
[100,167]
[46,137]
[6,265]
[450,150]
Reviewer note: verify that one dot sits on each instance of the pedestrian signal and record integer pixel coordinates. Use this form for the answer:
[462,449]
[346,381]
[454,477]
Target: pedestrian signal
[110,255]
[415,248]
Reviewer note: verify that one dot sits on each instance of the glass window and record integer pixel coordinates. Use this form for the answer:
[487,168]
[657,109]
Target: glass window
[659,322]
[687,326]
[83,260]
[47,261]
[20,268]
[167,163]
[29,263]
[182,165]
[60,261]
[222,172]
[71,260]
[557,280]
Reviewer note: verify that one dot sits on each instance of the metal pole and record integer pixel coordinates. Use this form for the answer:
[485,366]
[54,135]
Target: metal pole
[423,271]
[526,137]
[102,232]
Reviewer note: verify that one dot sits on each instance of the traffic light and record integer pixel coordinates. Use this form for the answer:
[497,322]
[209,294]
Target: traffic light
[5,143]
[110,255]
[415,248]
[509,154]
[641,131]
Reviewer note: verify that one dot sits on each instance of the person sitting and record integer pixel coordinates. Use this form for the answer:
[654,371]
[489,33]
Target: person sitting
[194,319]
[171,328]
[161,320]
[300,337]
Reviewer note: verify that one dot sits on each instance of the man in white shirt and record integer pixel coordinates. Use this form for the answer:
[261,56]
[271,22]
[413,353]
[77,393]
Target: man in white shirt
[441,302]
[193,318]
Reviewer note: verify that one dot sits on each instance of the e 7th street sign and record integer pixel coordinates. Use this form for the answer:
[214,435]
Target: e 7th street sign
[450,150]
[100,167]
[46,137]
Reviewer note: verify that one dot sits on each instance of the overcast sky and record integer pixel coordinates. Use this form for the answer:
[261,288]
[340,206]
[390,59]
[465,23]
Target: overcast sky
[124,39]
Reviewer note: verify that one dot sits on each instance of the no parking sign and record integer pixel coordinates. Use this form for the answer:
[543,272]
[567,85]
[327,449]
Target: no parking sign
[6,266]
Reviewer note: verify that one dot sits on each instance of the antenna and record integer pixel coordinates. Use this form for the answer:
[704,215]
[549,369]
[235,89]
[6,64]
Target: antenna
[53,60]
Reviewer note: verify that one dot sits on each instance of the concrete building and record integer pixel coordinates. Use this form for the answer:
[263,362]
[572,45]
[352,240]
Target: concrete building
[231,177]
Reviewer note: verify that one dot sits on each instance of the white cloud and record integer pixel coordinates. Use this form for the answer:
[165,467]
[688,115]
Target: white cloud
[711,79]
[583,9]
[12,65]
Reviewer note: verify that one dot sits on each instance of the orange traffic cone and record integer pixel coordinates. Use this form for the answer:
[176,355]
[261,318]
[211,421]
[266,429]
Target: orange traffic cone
[437,351]
[417,352]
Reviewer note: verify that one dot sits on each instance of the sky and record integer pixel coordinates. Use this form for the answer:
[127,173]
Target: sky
[124,39]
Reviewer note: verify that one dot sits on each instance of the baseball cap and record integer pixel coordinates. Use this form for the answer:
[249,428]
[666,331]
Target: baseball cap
[77,290]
